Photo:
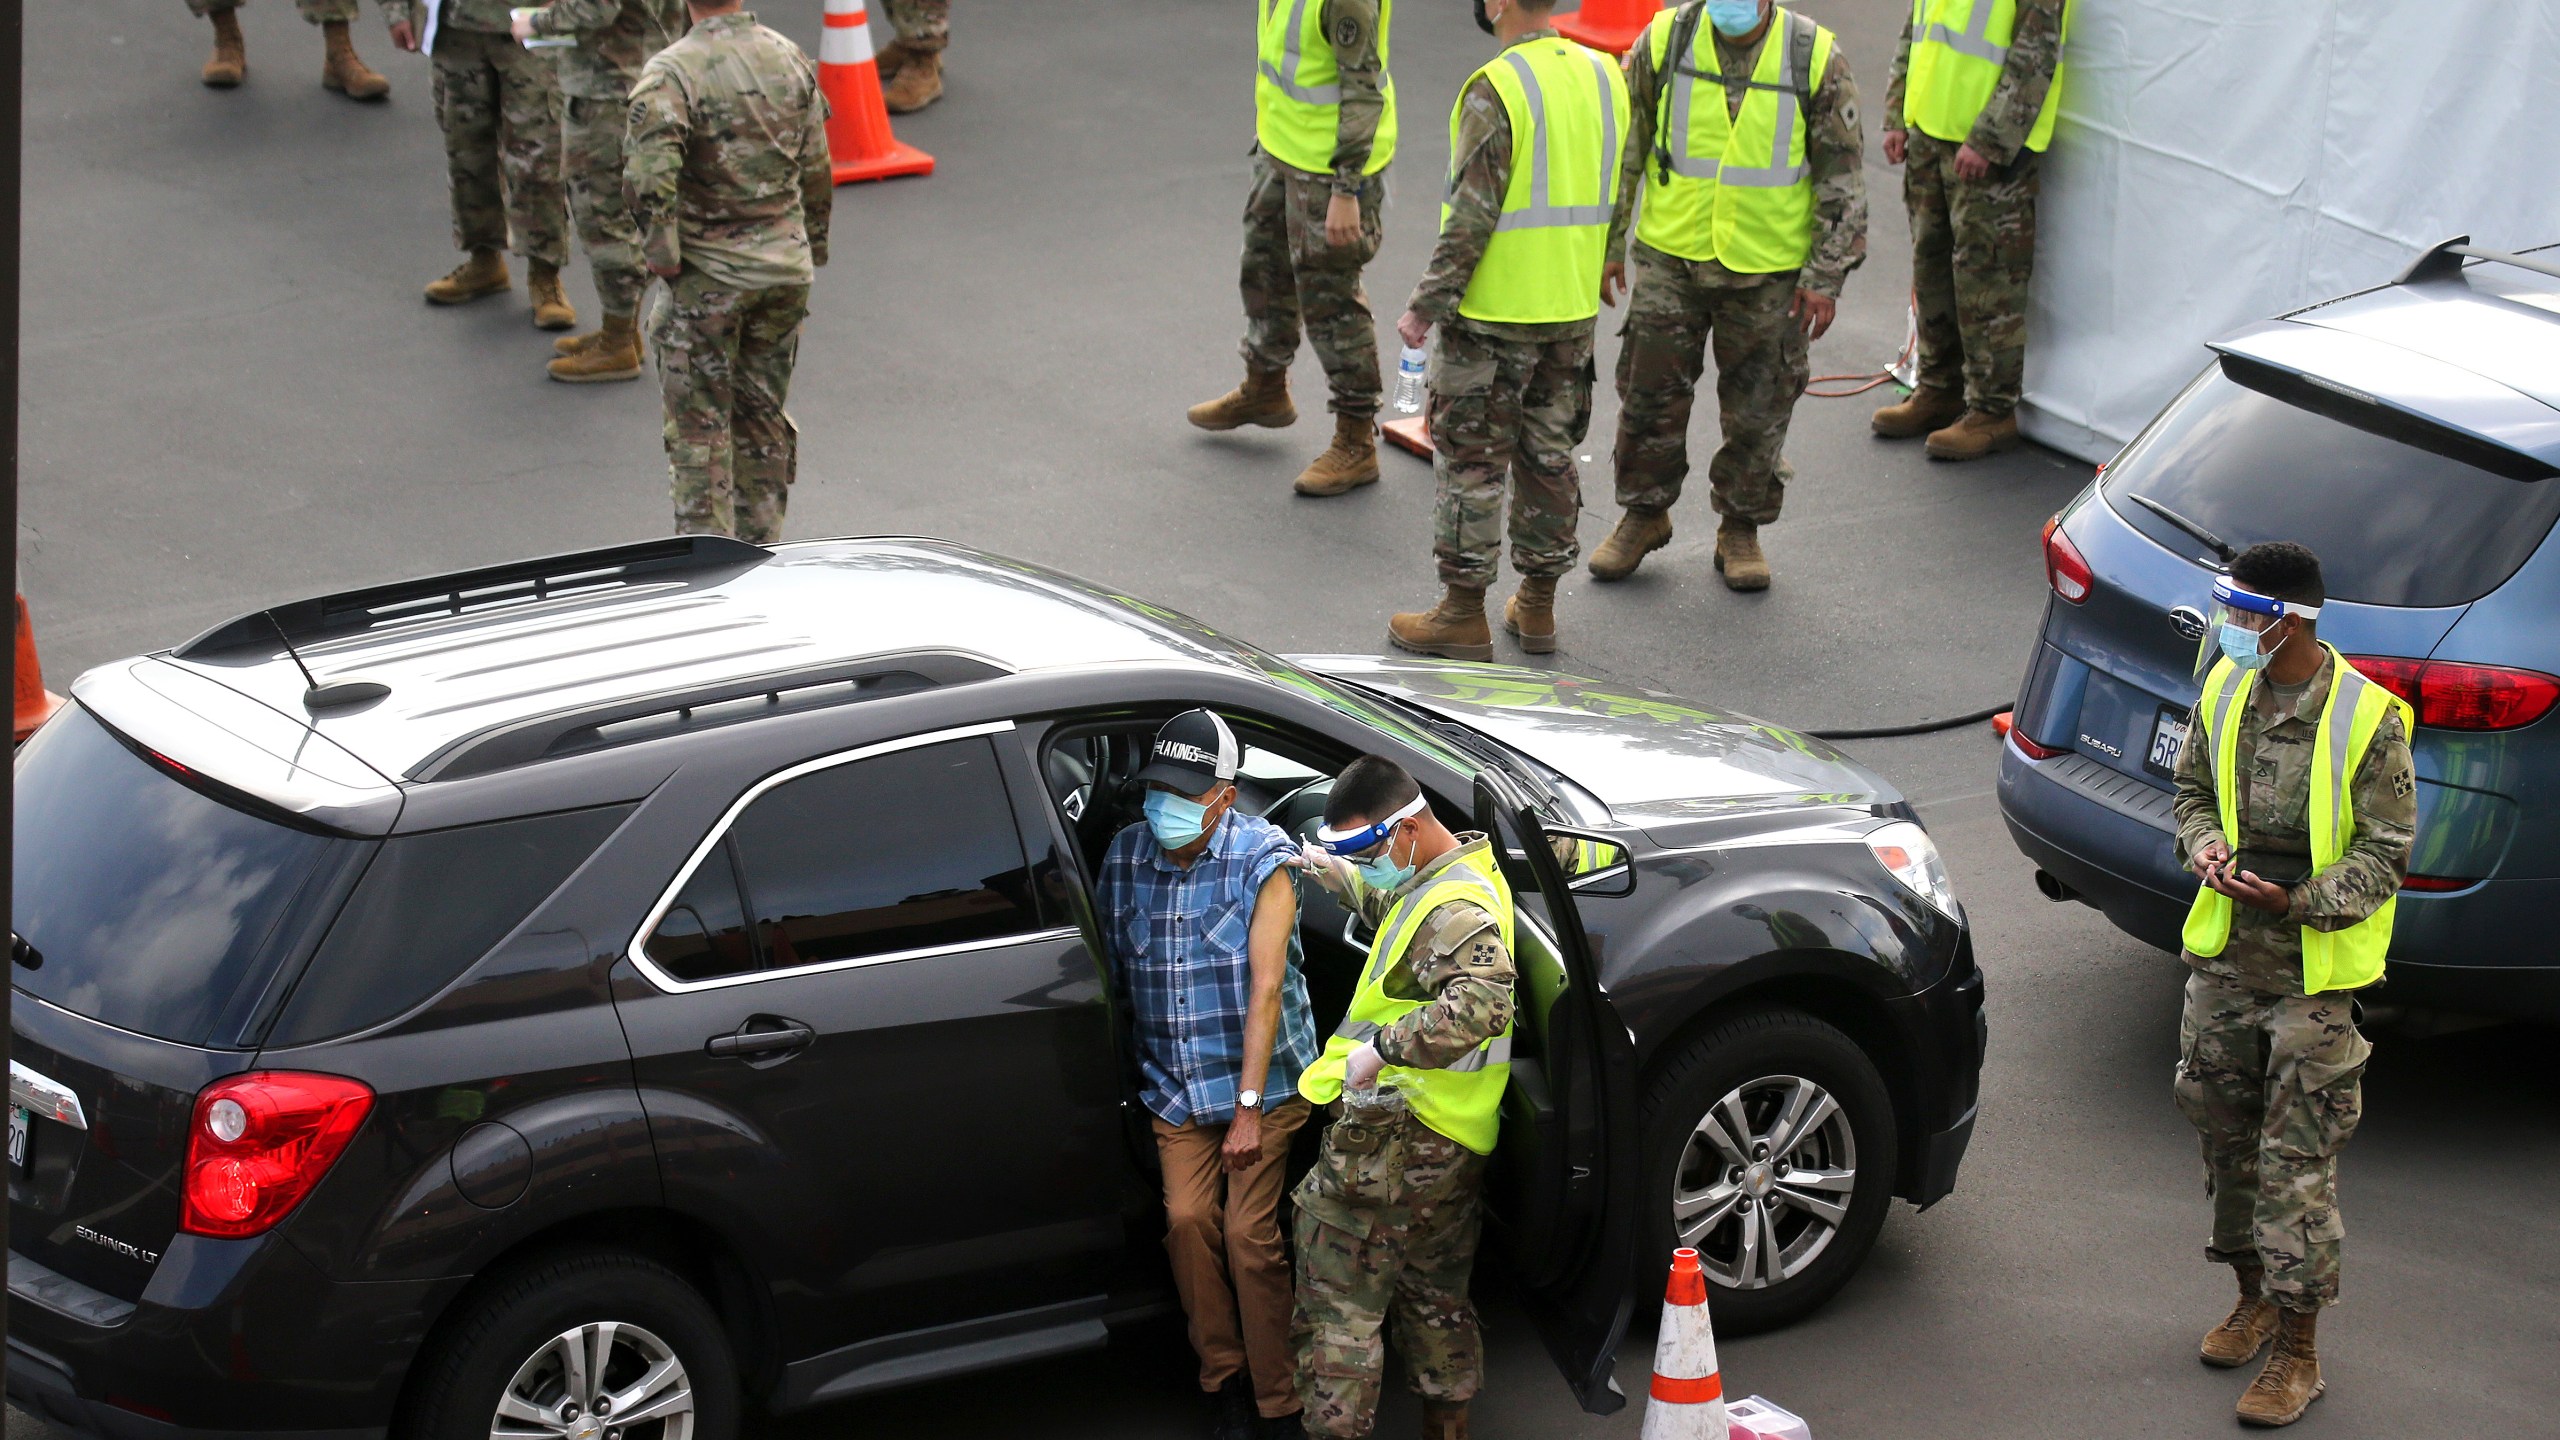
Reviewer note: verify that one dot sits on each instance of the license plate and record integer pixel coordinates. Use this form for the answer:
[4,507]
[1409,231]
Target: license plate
[2168,737]
[18,1136]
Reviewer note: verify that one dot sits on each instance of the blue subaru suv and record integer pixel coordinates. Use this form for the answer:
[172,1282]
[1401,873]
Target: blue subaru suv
[2410,434]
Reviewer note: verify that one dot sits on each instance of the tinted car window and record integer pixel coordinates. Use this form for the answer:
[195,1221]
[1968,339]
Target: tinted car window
[703,935]
[897,852]
[156,906]
[2399,513]
[428,906]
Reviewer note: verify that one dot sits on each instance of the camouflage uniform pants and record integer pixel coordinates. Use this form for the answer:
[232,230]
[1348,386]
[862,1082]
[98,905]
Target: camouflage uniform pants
[1676,307]
[592,155]
[1973,248]
[499,104]
[724,367]
[1512,408]
[1294,280]
[923,25]
[1387,1227]
[315,11]
[2274,1084]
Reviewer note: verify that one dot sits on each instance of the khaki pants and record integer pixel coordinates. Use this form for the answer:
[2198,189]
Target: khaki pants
[1223,1234]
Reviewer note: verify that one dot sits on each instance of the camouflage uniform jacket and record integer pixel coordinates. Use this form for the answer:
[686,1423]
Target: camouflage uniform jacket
[1352,26]
[1834,150]
[615,39]
[1479,175]
[726,160]
[1457,962]
[2273,761]
[2035,51]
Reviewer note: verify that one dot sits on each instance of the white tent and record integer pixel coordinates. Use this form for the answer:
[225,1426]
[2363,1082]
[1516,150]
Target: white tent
[2217,163]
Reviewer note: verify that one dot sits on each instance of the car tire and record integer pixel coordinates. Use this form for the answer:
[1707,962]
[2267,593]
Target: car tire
[1766,1060]
[509,1338]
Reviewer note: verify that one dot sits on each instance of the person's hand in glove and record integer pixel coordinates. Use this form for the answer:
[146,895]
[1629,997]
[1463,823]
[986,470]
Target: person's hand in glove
[1360,1068]
[1328,869]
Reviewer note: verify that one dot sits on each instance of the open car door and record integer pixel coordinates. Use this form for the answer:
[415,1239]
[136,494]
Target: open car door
[1564,1187]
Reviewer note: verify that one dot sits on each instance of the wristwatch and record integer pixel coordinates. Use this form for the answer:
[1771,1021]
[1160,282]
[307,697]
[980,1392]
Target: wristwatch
[1249,1100]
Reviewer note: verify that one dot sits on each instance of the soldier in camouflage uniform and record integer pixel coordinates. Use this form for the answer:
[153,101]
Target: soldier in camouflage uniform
[1973,239]
[615,38]
[2271,1077]
[1307,237]
[1762,322]
[1508,400]
[911,64]
[499,106]
[730,183]
[341,68]
[1389,1218]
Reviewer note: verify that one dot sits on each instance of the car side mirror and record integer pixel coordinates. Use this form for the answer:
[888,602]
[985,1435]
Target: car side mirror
[1592,865]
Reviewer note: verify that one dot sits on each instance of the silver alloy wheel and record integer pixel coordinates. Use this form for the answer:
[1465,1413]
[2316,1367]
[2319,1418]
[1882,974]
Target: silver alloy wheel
[601,1381]
[1764,1182]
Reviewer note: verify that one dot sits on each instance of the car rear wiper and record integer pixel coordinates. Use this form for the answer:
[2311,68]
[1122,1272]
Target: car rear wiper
[2219,546]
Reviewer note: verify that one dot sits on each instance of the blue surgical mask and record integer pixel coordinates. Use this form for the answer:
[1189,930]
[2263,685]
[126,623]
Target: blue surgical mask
[1381,872]
[1176,820]
[1734,17]
[2240,647]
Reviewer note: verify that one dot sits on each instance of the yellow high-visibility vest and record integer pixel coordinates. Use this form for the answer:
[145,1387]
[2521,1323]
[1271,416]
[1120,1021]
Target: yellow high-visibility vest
[1958,48]
[1463,1100]
[1568,112]
[1738,188]
[1297,89]
[2331,959]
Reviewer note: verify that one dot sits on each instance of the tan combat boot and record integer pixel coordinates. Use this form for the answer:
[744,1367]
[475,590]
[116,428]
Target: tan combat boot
[1738,555]
[1530,614]
[485,273]
[1639,533]
[1454,629]
[2252,1322]
[1973,436]
[1924,410]
[613,353]
[891,59]
[1444,1422]
[551,308]
[2291,1380]
[230,63]
[1263,399]
[919,83]
[343,70]
[1349,463]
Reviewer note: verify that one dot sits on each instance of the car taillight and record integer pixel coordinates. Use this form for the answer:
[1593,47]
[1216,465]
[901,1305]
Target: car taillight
[260,1141]
[2033,750]
[2451,695]
[2438,884]
[2069,575]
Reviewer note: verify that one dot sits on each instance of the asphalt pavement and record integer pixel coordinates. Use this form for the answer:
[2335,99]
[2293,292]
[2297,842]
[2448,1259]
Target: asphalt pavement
[234,396]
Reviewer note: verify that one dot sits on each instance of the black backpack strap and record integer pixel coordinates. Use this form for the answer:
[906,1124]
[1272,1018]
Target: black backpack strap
[1684,39]
[1802,35]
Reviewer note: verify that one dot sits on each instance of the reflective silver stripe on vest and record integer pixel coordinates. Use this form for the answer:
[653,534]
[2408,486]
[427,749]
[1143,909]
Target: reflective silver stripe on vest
[1974,39]
[1356,1031]
[2221,716]
[1539,215]
[1291,55]
[1777,174]
[2343,700]
[1496,1051]
[1684,86]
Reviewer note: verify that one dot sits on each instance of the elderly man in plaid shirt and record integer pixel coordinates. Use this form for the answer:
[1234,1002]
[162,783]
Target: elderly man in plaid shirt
[1200,905]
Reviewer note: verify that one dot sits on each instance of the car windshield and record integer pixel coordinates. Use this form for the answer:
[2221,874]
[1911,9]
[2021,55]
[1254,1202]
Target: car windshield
[2399,512]
[152,905]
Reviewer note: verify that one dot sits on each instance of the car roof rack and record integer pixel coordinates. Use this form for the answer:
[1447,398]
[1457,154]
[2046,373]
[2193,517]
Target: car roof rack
[729,702]
[494,587]
[2444,261]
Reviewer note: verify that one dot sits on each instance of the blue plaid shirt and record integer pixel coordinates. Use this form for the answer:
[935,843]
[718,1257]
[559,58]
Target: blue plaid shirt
[1177,938]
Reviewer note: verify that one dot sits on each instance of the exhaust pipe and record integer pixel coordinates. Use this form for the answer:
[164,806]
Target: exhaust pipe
[2052,887]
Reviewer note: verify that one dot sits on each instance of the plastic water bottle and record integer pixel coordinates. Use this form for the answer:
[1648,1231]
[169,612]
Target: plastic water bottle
[1409,380]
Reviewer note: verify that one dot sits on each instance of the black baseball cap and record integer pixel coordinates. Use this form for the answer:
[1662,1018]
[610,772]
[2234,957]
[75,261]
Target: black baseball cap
[1195,751]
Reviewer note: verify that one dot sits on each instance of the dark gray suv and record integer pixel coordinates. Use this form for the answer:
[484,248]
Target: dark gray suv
[578,999]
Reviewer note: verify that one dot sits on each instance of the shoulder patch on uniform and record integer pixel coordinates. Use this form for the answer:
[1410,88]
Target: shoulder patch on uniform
[2404,783]
[1346,33]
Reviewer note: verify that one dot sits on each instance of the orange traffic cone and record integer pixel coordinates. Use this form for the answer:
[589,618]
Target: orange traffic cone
[1688,1390]
[35,703]
[857,121]
[1610,25]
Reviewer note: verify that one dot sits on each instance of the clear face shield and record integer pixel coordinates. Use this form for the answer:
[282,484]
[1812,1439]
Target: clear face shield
[2237,624]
